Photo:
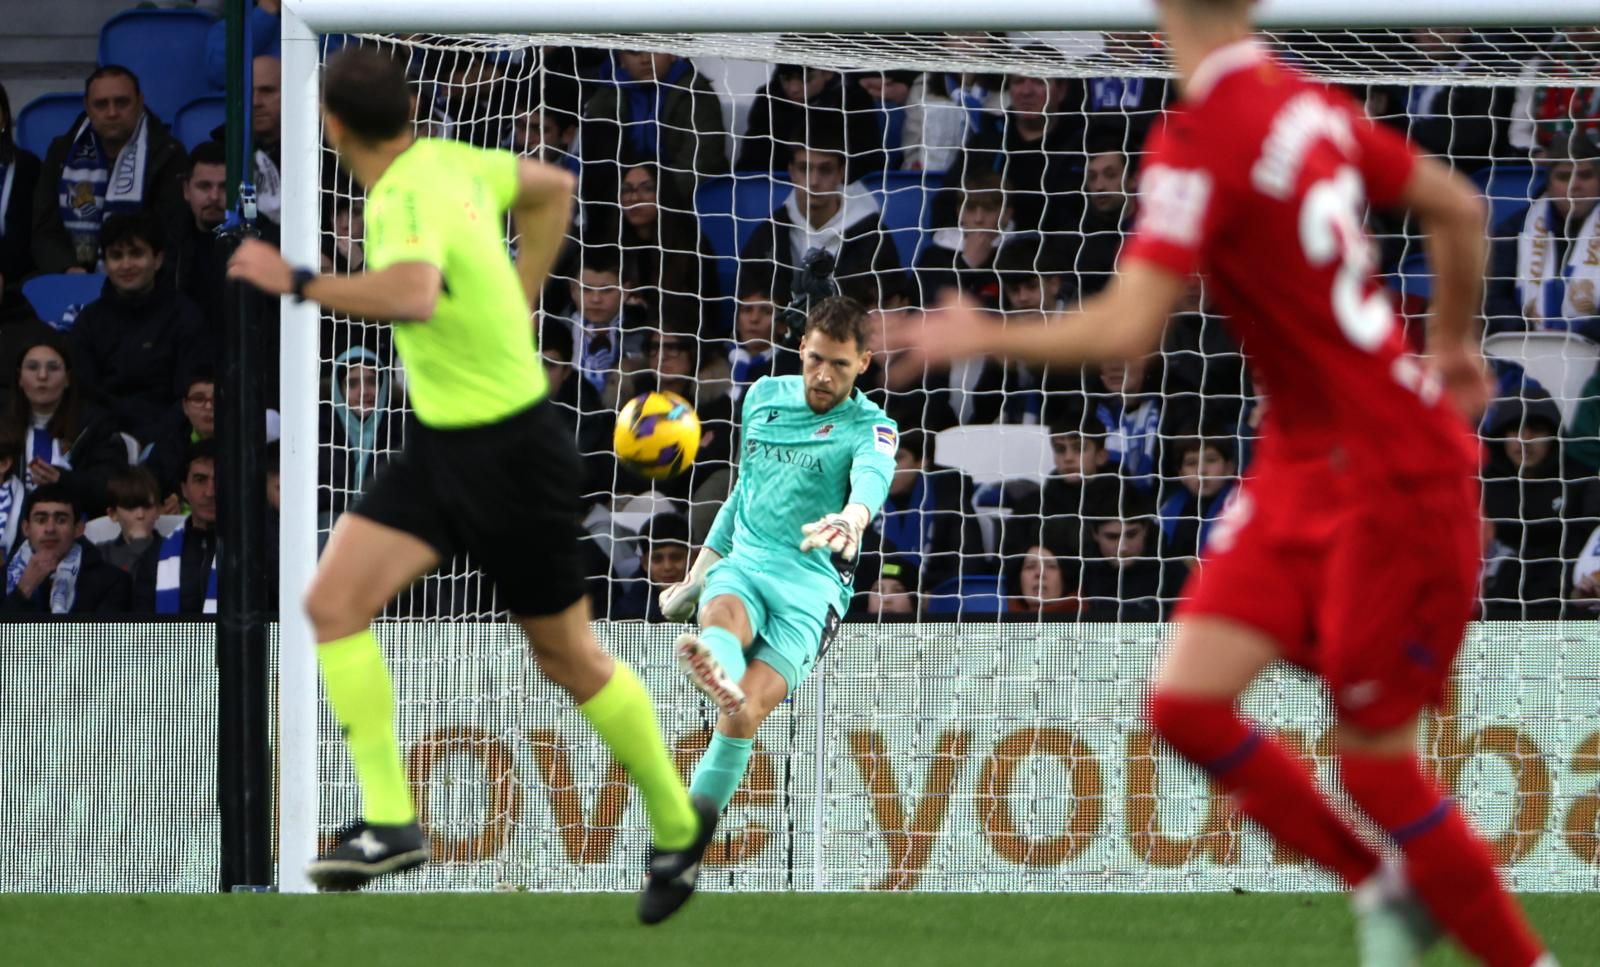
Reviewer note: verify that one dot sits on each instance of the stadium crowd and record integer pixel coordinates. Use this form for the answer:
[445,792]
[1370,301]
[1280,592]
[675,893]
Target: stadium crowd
[1025,190]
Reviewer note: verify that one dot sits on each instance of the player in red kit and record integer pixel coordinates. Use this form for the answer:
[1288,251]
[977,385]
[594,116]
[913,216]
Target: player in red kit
[1354,548]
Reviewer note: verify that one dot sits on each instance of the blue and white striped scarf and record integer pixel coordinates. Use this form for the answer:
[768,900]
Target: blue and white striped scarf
[63,581]
[1552,294]
[40,445]
[169,572]
[11,494]
[93,186]
[1132,435]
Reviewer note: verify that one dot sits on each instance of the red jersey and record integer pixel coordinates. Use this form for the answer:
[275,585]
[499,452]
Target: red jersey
[1258,182]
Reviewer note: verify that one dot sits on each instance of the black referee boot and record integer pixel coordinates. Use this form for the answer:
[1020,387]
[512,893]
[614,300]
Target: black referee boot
[673,874]
[366,851]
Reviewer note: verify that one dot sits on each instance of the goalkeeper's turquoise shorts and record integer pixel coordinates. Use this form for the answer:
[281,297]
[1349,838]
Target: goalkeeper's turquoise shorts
[794,614]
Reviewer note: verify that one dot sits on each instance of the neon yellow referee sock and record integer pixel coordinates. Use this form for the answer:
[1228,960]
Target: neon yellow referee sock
[363,701]
[626,719]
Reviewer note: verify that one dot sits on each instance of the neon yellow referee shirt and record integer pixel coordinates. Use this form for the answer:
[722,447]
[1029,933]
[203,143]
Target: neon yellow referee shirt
[444,203]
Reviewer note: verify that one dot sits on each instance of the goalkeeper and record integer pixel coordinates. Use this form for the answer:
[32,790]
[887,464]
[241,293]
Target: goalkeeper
[775,572]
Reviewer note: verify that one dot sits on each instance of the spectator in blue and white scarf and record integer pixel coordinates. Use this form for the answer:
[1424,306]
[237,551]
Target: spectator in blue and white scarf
[178,575]
[116,157]
[56,571]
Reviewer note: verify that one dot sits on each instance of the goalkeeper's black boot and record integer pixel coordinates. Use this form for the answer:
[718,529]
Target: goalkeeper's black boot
[366,851]
[674,873]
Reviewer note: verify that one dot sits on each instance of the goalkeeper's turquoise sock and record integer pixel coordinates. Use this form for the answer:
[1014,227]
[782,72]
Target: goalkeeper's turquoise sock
[720,769]
[725,646]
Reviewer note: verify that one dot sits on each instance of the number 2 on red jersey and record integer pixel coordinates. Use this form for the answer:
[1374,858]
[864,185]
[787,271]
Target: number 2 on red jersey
[1330,231]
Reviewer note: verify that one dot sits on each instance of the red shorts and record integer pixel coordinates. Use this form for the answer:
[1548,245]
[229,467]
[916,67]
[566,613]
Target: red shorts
[1370,587]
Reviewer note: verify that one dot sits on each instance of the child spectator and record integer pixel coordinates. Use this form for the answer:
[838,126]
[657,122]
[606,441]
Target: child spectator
[178,574]
[12,492]
[1127,581]
[1206,473]
[825,214]
[134,498]
[962,257]
[19,179]
[1078,448]
[77,191]
[1032,276]
[598,338]
[754,329]
[1137,408]
[892,591]
[54,570]
[137,344]
[64,439]
[664,564]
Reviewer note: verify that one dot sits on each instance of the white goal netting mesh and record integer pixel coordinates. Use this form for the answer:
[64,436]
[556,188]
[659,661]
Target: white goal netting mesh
[1006,167]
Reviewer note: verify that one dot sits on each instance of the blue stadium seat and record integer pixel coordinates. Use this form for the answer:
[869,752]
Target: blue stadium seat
[57,298]
[730,208]
[1509,188]
[196,120]
[46,118]
[907,198]
[166,49]
[971,594]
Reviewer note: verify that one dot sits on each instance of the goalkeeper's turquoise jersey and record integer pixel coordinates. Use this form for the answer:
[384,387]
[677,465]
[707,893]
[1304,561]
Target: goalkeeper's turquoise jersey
[795,467]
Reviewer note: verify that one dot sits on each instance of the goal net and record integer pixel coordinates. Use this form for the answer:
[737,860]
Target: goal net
[977,725]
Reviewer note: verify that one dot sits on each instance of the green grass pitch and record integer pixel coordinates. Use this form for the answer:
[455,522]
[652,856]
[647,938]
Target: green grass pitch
[763,930]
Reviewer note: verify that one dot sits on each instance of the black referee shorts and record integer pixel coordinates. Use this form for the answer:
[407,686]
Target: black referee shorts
[505,493]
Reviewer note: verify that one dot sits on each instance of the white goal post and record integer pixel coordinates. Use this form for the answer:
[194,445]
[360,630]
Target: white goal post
[658,25]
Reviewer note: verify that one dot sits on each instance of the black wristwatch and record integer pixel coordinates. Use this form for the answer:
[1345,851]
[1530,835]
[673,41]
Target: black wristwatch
[300,279]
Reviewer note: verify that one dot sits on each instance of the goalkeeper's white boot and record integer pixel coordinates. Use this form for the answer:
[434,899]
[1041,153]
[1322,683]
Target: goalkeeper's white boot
[707,674]
[1393,929]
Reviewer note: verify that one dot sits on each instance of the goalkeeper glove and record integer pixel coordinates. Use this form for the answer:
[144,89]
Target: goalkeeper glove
[679,601]
[840,533]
